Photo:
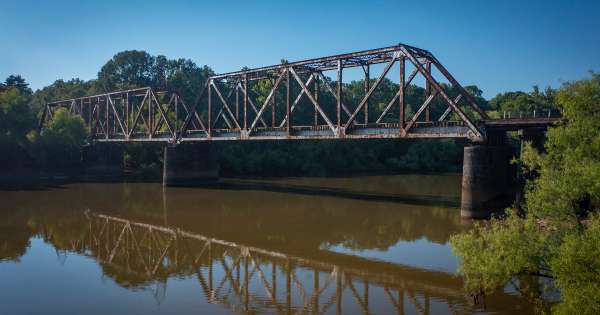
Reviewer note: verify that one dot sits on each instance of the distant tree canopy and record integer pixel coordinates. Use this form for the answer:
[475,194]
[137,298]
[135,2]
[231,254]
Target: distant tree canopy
[16,81]
[525,102]
[16,117]
[133,68]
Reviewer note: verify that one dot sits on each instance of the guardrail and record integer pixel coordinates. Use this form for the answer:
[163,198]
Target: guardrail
[541,113]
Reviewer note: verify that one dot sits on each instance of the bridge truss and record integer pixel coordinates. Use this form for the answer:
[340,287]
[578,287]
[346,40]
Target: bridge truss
[228,108]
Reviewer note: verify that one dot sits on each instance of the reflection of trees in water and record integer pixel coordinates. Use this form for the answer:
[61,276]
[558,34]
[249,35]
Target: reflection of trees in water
[62,223]
[14,232]
[14,239]
[296,222]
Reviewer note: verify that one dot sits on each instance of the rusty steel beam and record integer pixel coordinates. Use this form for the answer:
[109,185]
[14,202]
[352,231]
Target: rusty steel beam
[340,68]
[349,60]
[225,105]
[266,103]
[312,99]
[366,97]
[400,94]
[297,100]
[478,134]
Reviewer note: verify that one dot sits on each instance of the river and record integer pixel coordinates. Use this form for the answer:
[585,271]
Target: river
[358,245]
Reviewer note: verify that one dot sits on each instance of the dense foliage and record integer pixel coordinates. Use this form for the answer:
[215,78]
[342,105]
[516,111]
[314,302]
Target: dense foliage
[61,142]
[556,236]
[525,102]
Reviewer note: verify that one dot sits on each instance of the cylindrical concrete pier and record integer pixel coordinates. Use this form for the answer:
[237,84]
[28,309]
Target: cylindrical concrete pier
[189,165]
[486,175]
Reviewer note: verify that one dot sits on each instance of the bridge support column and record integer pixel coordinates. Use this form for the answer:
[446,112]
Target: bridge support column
[486,178]
[189,164]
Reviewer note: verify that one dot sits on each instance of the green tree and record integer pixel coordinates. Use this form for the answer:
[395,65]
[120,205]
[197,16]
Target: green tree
[575,267]
[16,118]
[127,69]
[16,81]
[519,101]
[557,238]
[60,143]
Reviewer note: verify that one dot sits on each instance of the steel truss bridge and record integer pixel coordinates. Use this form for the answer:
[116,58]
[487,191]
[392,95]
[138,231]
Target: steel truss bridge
[249,279]
[227,109]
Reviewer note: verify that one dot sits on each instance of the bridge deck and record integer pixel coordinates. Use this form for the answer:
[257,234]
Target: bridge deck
[521,123]
[430,130]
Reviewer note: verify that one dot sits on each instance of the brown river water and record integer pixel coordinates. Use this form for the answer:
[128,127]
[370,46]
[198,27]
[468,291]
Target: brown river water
[359,245]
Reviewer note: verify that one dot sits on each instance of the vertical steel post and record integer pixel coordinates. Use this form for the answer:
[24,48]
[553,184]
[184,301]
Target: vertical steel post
[90,108]
[107,124]
[274,104]
[401,94]
[209,108]
[427,89]
[237,102]
[339,93]
[126,105]
[150,128]
[176,114]
[114,118]
[97,114]
[316,119]
[245,101]
[288,112]
[366,85]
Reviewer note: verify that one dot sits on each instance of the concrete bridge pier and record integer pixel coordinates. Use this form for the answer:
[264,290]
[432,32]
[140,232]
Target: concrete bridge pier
[487,176]
[189,164]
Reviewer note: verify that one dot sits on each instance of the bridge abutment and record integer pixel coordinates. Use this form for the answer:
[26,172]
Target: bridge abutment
[486,179]
[189,164]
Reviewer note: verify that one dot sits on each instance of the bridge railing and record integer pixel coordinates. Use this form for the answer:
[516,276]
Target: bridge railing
[532,114]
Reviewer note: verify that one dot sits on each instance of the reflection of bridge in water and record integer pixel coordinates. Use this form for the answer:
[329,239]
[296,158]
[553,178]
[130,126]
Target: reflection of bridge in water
[252,280]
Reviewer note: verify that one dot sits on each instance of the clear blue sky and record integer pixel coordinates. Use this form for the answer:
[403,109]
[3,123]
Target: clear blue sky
[497,45]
